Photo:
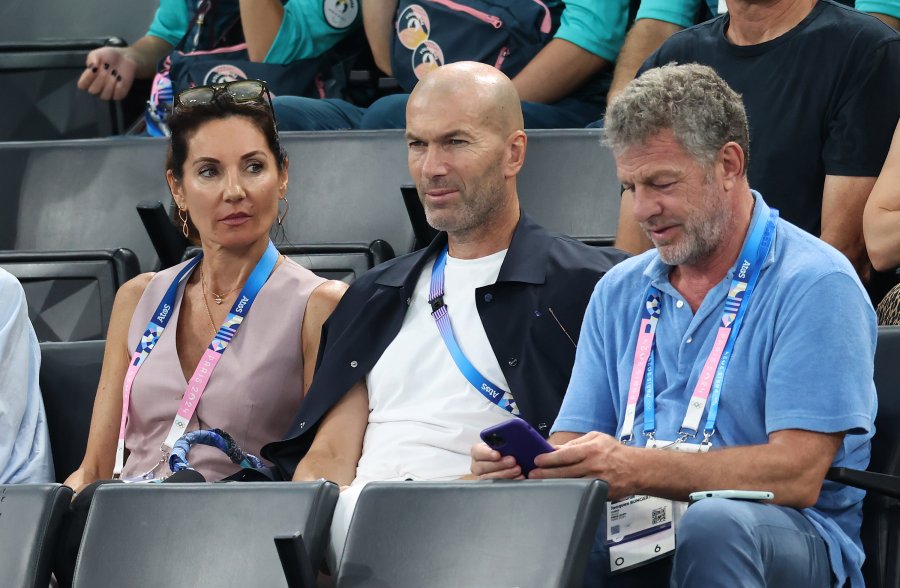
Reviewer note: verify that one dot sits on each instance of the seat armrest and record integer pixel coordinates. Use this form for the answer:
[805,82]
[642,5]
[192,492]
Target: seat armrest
[870,481]
[298,570]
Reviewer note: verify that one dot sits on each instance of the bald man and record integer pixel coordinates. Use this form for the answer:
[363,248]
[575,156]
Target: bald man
[388,401]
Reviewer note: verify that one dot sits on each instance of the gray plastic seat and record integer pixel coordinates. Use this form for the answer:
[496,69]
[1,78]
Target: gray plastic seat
[30,515]
[345,188]
[80,195]
[70,294]
[474,534]
[569,184]
[69,376]
[150,535]
[881,507]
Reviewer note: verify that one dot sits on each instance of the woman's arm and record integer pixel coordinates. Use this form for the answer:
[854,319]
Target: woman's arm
[881,219]
[318,308]
[99,458]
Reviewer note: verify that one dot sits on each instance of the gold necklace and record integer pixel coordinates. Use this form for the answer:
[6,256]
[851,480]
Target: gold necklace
[206,304]
[218,297]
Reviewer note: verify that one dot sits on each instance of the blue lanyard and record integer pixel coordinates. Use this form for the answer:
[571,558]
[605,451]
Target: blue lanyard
[441,316]
[746,274]
[208,362]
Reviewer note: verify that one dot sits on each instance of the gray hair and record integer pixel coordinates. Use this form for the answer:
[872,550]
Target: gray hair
[702,111]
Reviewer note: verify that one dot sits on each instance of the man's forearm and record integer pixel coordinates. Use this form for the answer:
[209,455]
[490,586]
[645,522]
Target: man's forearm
[261,21]
[317,466]
[783,469]
[558,70]
[643,39]
[378,22]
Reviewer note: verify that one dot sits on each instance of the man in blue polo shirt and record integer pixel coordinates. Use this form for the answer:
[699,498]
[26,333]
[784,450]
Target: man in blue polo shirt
[737,355]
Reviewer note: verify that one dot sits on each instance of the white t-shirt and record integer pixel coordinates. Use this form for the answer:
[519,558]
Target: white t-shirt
[424,415]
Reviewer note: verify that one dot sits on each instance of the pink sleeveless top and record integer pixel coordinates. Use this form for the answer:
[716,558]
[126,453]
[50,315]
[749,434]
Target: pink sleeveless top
[254,392]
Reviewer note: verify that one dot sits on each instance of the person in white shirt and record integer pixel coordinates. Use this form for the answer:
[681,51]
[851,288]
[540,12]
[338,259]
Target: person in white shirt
[24,441]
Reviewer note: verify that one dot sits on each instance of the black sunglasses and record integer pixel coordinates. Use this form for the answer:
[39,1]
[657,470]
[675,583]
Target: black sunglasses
[240,91]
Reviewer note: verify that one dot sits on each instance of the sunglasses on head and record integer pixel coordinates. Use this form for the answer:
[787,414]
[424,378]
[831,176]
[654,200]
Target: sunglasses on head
[240,91]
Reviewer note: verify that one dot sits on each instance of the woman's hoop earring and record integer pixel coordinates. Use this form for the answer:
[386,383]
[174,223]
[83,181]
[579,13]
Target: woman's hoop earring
[282,215]
[182,216]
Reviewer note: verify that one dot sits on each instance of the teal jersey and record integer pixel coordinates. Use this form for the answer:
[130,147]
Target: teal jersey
[888,7]
[678,12]
[309,28]
[597,26]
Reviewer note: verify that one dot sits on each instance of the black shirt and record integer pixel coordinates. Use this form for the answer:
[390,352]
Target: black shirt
[822,99]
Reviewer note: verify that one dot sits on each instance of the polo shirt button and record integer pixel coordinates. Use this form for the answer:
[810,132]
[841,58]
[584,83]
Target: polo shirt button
[513,362]
[353,363]
[488,297]
[690,339]
[680,303]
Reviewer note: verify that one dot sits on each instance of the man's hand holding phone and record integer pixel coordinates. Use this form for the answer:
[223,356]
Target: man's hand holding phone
[508,451]
[488,464]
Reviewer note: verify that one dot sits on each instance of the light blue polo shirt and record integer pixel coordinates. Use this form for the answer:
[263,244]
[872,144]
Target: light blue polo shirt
[804,359]
[306,30]
[597,26]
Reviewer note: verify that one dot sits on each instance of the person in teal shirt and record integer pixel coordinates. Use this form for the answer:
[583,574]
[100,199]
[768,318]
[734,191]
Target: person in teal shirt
[887,10]
[276,32]
[564,84]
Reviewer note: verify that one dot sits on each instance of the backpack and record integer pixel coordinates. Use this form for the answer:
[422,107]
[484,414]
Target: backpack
[506,34]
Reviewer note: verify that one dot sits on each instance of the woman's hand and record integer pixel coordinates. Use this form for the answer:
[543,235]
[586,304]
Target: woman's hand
[109,73]
[79,479]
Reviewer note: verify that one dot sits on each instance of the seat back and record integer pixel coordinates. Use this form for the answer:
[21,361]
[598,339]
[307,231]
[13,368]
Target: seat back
[436,534]
[80,195]
[345,188]
[569,184]
[30,515]
[70,294]
[149,535]
[881,515]
[69,376]
[341,261]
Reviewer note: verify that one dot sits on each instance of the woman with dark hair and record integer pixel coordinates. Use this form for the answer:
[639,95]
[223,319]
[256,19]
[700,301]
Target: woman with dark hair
[233,334]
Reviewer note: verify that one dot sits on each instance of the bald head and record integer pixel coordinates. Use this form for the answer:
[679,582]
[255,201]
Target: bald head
[472,89]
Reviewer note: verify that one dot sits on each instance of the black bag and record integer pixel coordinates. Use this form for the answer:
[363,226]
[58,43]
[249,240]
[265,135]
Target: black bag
[506,34]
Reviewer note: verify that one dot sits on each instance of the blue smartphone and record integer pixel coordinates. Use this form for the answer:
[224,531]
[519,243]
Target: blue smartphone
[515,437]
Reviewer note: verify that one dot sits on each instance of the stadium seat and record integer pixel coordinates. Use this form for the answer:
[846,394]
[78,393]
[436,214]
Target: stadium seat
[333,261]
[80,195]
[43,52]
[149,535]
[342,261]
[69,376]
[881,508]
[437,534]
[70,294]
[345,188]
[569,184]
[30,516]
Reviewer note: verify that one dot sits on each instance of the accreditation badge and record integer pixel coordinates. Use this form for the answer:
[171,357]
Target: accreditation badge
[640,529]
